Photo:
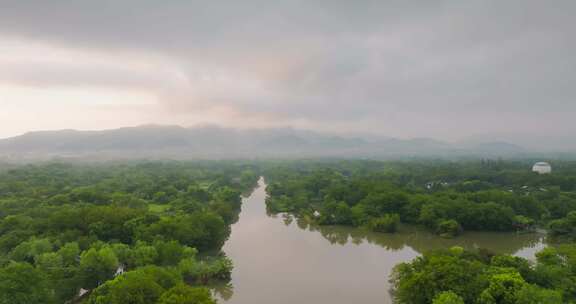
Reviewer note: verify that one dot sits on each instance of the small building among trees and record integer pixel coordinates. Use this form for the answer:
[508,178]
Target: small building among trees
[542,168]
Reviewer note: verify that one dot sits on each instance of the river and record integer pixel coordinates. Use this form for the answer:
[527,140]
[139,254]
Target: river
[281,260]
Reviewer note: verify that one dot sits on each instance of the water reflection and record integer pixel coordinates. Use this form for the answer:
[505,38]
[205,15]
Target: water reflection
[282,259]
[421,240]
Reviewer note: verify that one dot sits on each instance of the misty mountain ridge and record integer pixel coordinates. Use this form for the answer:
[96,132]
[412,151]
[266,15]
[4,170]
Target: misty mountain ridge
[166,141]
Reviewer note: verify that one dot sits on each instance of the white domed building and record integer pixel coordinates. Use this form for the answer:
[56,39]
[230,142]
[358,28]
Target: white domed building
[542,168]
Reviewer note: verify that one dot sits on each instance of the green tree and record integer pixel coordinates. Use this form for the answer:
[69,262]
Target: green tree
[503,288]
[20,283]
[69,253]
[448,228]
[565,227]
[447,297]
[335,213]
[124,254]
[184,294]
[425,277]
[97,266]
[532,294]
[61,277]
[30,249]
[144,254]
[134,287]
[386,223]
[170,253]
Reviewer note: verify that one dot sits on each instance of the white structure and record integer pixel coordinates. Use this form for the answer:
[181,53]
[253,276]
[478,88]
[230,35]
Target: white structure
[542,168]
[119,271]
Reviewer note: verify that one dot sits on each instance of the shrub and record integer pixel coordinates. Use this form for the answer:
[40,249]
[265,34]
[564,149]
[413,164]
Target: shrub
[448,228]
[387,223]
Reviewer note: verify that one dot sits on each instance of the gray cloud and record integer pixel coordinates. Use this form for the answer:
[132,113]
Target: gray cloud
[47,75]
[408,68]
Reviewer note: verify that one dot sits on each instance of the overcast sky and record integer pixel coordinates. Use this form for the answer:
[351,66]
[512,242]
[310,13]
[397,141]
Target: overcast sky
[441,69]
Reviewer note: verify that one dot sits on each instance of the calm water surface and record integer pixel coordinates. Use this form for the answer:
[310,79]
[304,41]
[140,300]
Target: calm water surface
[281,260]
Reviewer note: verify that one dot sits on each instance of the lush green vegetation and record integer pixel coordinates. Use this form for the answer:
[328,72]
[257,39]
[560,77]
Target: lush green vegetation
[457,276]
[126,233]
[446,197]
[564,228]
[152,232]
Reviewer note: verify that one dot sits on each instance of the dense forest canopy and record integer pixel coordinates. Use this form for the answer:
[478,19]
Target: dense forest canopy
[117,233]
[453,276]
[446,197]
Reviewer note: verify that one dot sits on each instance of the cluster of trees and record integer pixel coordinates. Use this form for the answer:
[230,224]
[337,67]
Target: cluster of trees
[119,233]
[457,276]
[446,197]
[564,228]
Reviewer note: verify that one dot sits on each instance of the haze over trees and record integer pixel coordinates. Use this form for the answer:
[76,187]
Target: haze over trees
[212,142]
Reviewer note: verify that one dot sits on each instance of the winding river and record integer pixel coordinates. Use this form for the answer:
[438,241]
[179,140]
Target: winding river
[280,260]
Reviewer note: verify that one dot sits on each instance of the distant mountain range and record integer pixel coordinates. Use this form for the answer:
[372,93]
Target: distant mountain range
[157,141]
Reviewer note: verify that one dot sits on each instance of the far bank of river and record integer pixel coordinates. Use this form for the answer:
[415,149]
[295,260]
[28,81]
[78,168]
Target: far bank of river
[278,259]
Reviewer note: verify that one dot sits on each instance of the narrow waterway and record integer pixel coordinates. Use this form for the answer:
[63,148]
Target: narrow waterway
[280,260]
